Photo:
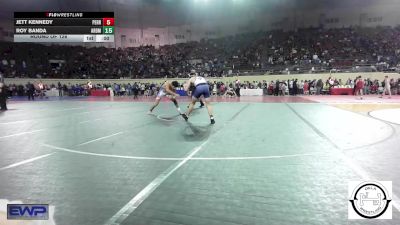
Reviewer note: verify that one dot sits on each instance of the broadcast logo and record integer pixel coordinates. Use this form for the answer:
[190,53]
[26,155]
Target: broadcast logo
[27,211]
[370,200]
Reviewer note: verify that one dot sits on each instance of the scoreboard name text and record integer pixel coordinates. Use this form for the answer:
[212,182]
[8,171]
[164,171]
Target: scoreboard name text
[30,30]
[34,22]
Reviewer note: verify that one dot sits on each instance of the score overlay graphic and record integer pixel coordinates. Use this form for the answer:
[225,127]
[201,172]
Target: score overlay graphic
[64,27]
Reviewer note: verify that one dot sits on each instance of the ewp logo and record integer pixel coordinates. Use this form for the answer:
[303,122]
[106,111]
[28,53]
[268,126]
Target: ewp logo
[27,211]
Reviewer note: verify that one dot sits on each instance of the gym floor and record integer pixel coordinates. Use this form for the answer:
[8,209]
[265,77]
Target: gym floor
[267,160]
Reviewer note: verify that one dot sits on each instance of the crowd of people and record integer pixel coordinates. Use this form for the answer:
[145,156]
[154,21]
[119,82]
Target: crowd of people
[301,51]
[319,86]
[217,88]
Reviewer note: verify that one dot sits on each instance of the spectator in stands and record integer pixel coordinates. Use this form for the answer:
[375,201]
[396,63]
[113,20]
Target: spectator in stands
[129,89]
[135,89]
[319,86]
[386,87]
[277,87]
[367,86]
[3,97]
[230,92]
[304,50]
[271,87]
[40,88]
[398,86]
[60,89]
[301,87]
[283,88]
[30,91]
[359,87]
[237,87]
[295,87]
[306,88]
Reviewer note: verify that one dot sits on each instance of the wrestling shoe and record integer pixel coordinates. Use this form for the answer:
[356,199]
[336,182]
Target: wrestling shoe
[212,120]
[184,116]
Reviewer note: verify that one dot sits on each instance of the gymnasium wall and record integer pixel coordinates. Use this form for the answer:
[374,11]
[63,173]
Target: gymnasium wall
[287,17]
[343,76]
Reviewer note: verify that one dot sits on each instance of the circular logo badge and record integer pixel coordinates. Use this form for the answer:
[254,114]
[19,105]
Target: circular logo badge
[370,200]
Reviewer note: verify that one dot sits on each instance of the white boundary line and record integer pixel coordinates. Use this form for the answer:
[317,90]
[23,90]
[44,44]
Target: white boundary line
[178,159]
[28,132]
[101,138]
[258,157]
[107,155]
[40,110]
[39,119]
[127,209]
[58,110]
[12,122]
[44,118]
[22,133]
[88,121]
[61,110]
[26,161]
[363,103]
[86,112]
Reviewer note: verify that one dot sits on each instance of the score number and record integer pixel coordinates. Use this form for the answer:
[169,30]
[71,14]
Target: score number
[108,25]
[108,30]
[108,21]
